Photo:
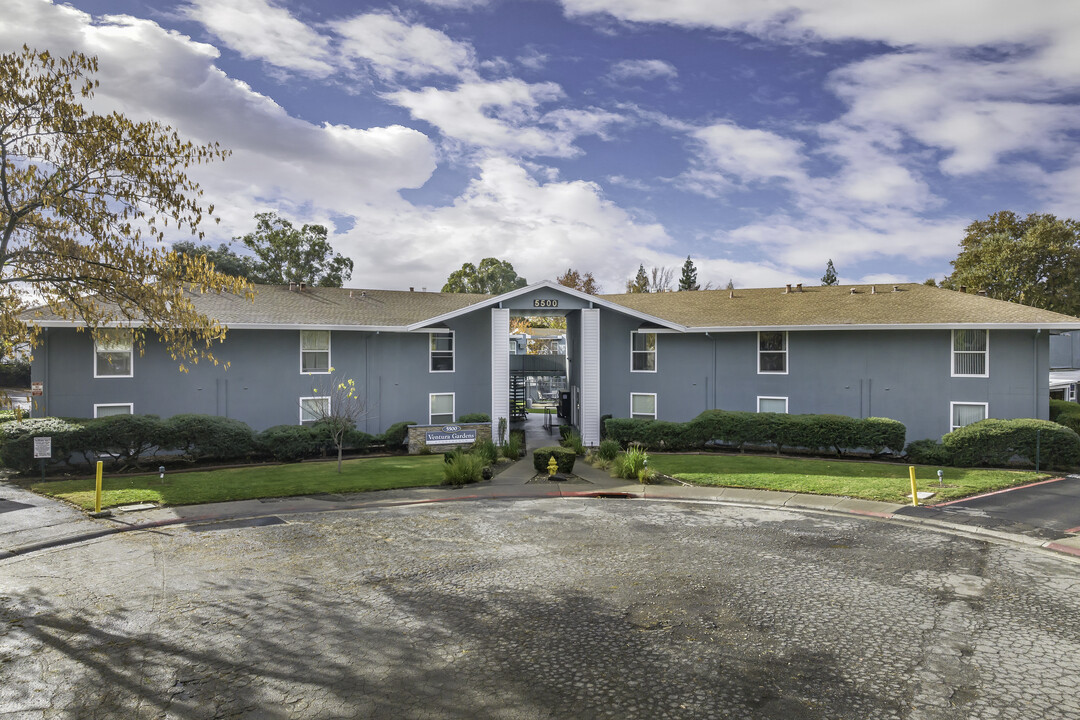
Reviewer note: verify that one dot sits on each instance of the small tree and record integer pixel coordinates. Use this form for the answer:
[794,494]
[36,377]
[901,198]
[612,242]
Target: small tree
[660,279]
[640,282]
[688,281]
[829,278]
[338,415]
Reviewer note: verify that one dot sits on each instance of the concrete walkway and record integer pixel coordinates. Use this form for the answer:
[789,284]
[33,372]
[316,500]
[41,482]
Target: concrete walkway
[30,522]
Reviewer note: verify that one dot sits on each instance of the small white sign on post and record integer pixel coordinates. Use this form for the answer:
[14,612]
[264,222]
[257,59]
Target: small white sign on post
[42,447]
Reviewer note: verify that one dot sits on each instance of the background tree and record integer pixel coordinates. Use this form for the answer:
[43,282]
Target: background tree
[84,200]
[286,255]
[585,283]
[640,282]
[688,280]
[730,284]
[829,278]
[1033,260]
[660,279]
[223,259]
[492,276]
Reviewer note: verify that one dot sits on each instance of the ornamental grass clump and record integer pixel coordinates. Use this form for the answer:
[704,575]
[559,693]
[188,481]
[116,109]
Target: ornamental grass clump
[463,468]
[633,465]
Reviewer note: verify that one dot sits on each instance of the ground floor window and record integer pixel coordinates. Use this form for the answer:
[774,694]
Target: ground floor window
[105,410]
[967,413]
[643,406]
[442,408]
[314,408]
[772,404]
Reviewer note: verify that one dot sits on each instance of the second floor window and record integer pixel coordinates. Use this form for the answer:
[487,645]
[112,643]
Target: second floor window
[969,353]
[772,352]
[112,354]
[442,352]
[643,352]
[314,351]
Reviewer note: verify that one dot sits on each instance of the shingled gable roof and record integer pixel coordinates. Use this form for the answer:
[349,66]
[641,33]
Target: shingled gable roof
[815,308]
[865,307]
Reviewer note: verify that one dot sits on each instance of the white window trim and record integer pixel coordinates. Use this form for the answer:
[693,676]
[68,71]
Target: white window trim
[329,351]
[131,365]
[129,406]
[314,397]
[453,411]
[952,357]
[772,397]
[655,353]
[453,355]
[655,404]
[952,405]
[787,355]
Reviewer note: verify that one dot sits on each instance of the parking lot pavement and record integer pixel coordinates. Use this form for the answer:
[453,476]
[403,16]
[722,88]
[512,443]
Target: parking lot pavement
[543,608]
[1046,510]
[29,519]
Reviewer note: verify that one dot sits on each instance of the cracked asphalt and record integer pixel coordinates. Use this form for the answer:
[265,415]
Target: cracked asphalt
[549,608]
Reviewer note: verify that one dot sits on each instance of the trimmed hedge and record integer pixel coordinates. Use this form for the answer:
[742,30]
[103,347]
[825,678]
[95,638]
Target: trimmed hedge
[17,441]
[1065,413]
[474,418]
[564,458]
[397,434]
[127,440]
[204,437]
[817,433]
[291,443]
[928,452]
[997,442]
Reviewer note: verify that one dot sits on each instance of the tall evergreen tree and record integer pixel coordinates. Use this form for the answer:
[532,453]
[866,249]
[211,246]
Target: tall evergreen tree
[730,284]
[829,278]
[688,281]
[640,283]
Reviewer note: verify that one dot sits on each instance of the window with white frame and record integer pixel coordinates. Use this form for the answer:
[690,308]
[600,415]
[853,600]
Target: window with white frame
[642,351]
[772,353]
[442,408]
[970,353]
[314,408]
[315,351]
[113,350]
[772,404]
[442,352]
[967,413]
[107,409]
[643,406]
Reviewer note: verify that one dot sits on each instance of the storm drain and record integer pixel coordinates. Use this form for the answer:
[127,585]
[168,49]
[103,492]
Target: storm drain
[237,524]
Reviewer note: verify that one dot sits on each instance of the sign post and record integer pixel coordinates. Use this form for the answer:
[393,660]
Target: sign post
[42,451]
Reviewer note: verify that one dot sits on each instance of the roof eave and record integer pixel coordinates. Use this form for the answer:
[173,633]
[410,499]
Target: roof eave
[1061,327]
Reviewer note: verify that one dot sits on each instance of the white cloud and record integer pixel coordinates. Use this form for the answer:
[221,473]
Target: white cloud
[642,70]
[748,154]
[504,116]
[399,49]
[258,29]
[147,72]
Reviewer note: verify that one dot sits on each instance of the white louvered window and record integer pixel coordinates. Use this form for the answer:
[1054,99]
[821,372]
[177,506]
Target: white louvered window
[967,413]
[970,349]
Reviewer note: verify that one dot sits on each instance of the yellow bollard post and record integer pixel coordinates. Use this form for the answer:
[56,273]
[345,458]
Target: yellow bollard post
[97,491]
[914,490]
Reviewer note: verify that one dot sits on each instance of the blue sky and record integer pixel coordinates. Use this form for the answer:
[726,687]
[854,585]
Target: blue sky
[761,138]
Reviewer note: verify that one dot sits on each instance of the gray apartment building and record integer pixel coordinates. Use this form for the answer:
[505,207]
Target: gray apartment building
[933,359]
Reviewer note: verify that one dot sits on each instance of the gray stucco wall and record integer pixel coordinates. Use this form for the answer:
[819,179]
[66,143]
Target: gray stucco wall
[263,382]
[1065,351]
[904,375]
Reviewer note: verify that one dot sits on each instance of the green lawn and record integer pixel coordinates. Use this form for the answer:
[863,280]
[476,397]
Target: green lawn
[867,480]
[190,488]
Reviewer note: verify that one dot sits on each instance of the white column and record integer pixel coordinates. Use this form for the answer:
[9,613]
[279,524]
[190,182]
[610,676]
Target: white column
[590,377]
[500,369]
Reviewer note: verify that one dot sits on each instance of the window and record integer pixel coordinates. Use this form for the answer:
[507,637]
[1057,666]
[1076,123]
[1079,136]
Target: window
[772,353]
[643,352]
[643,406]
[101,411]
[772,404]
[967,413]
[969,353]
[112,354]
[315,351]
[513,347]
[442,352]
[442,408]
[313,408]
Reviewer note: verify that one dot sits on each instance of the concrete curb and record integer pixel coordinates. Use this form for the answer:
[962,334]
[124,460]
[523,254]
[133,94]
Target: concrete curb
[190,516]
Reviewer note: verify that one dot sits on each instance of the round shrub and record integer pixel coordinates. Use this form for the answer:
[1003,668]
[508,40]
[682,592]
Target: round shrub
[126,439]
[564,459]
[290,443]
[397,434]
[202,437]
[928,452]
[1065,413]
[997,442]
[608,450]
